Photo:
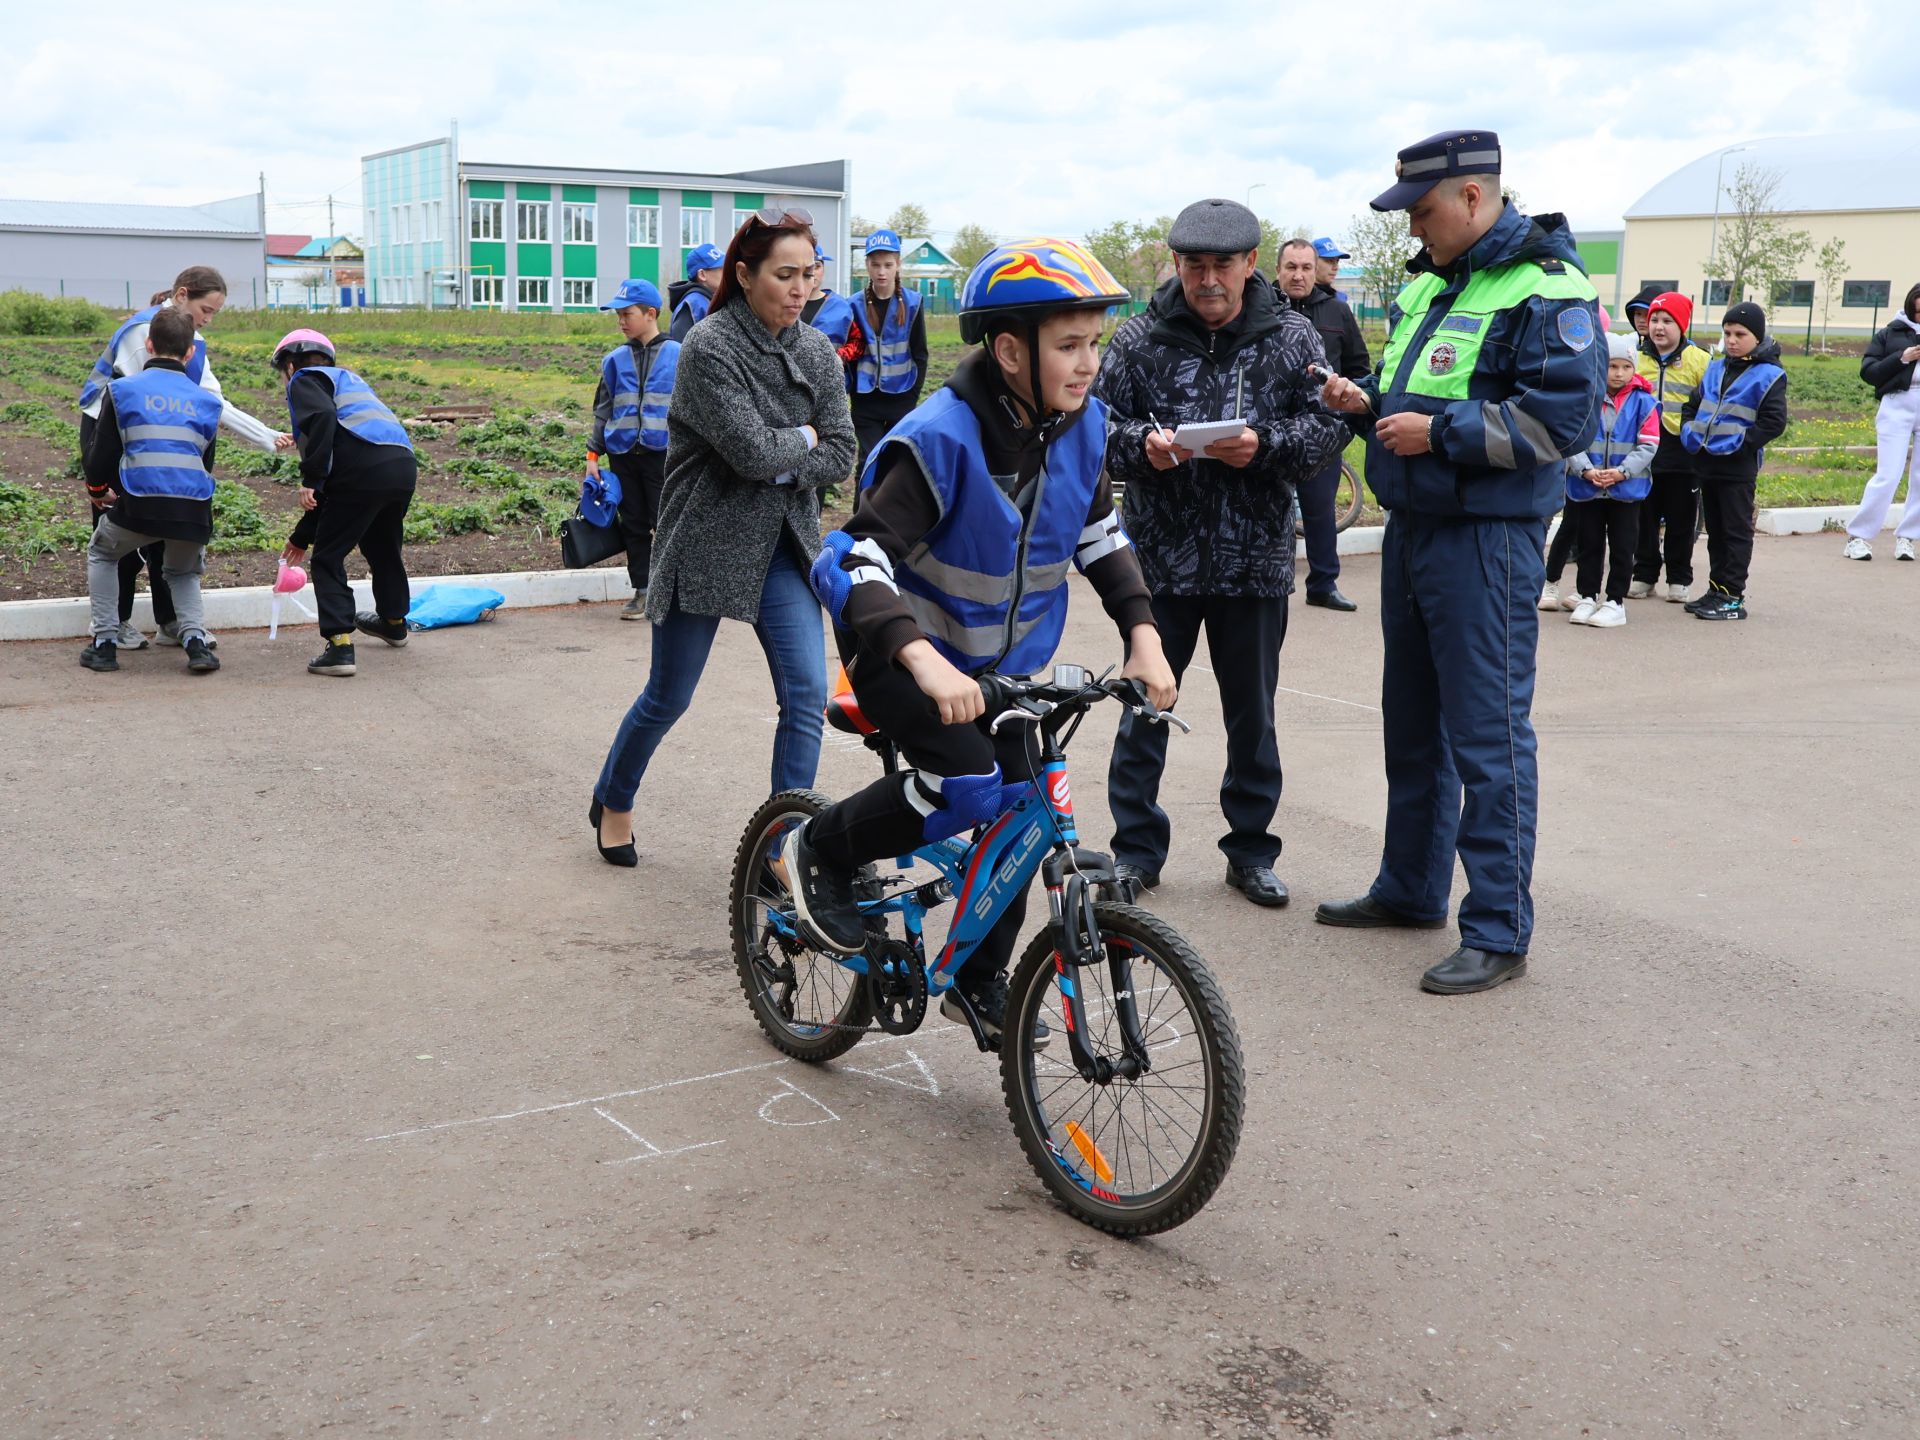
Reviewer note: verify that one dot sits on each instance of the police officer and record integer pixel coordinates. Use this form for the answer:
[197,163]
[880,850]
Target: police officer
[891,370]
[1493,372]
[692,297]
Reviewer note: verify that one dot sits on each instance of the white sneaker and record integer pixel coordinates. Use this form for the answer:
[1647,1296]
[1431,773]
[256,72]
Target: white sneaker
[1550,597]
[1584,611]
[1903,549]
[1858,549]
[130,637]
[1676,594]
[1639,589]
[1608,614]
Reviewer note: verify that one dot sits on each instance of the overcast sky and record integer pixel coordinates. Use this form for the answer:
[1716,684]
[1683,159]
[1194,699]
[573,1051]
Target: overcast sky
[1022,118]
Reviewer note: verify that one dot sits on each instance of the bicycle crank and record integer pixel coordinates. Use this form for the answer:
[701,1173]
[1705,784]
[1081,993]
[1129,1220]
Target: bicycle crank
[896,984]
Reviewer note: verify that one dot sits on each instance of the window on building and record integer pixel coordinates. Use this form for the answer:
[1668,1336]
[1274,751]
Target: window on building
[430,221]
[397,226]
[1794,294]
[532,220]
[1866,294]
[1719,292]
[535,294]
[579,292]
[483,219]
[578,224]
[740,217]
[643,225]
[696,228]
[488,289]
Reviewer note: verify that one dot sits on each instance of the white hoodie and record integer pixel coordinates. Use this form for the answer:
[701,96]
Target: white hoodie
[131,358]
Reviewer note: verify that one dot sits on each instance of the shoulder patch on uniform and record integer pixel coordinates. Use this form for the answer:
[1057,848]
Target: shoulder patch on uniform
[1576,327]
[1553,267]
[1465,324]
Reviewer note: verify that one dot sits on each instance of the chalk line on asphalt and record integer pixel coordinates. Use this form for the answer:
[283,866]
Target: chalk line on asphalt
[1306,694]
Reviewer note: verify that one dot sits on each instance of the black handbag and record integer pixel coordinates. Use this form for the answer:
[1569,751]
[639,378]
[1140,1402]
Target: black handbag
[583,543]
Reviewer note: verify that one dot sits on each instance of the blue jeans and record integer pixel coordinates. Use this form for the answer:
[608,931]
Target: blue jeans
[790,633]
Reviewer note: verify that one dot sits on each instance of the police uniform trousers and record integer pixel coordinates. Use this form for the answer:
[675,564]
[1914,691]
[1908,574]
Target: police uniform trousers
[1458,612]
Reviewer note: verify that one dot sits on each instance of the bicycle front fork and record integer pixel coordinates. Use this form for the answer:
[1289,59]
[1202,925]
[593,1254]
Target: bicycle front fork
[1071,899]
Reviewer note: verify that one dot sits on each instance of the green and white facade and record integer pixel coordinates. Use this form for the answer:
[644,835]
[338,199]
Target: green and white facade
[446,232]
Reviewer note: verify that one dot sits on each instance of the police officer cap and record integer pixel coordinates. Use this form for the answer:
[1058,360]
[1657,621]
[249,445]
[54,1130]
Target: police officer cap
[634,292]
[1328,249]
[1440,157]
[1215,227]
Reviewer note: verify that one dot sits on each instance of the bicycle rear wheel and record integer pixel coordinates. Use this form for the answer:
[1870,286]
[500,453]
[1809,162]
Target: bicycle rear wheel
[810,1005]
[1134,1156]
[1349,496]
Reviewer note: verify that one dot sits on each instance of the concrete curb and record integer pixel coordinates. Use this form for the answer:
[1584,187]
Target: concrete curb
[1812,519]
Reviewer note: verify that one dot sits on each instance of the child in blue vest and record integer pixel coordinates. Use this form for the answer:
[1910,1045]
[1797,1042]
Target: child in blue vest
[630,425]
[891,367]
[357,474]
[147,470]
[1737,410]
[1605,486]
[997,478]
[692,297]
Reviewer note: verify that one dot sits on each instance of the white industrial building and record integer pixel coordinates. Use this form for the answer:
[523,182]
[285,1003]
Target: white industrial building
[118,255]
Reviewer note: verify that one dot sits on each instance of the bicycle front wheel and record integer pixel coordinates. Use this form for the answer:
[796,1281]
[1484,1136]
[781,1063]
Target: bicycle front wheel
[810,1005]
[1133,1156]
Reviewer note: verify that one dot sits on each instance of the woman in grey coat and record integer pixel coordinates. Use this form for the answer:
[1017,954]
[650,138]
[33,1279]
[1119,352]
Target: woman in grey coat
[759,423]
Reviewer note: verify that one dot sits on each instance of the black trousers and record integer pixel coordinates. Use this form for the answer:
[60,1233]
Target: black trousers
[373,523]
[1608,531]
[1727,506]
[642,473]
[881,821]
[874,414]
[130,563]
[1317,519]
[1675,500]
[1244,636]
[1560,548]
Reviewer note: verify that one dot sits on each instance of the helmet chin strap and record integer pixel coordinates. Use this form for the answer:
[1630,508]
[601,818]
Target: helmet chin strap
[1037,417]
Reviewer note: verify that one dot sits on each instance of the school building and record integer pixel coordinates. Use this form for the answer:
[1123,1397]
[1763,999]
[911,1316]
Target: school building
[445,231]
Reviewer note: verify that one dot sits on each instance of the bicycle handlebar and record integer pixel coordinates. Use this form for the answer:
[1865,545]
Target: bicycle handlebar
[1072,690]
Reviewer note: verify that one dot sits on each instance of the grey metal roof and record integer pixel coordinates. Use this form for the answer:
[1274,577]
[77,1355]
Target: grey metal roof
[101,215]
[1855,170]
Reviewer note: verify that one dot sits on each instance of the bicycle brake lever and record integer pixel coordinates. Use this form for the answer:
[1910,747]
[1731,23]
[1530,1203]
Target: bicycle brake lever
[1031,717]
[1165,717]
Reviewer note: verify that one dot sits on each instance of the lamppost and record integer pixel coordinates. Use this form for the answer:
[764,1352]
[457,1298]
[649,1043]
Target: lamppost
[1257,185]
[1713,234]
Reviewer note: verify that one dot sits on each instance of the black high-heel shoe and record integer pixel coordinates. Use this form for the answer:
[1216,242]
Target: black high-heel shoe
[622,855]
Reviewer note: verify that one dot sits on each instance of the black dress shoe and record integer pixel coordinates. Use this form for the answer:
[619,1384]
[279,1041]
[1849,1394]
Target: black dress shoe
[1258,883]
[624,856]
[1135,878]
[1367,913]
[1332,600]
[1468,970]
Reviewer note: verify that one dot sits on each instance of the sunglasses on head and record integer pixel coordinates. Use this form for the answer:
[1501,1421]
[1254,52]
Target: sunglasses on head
[776,216]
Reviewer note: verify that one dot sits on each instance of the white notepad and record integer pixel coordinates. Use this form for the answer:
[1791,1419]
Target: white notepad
[1198,434]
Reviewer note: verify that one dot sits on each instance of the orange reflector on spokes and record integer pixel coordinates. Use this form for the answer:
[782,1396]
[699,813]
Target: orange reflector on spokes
[1090,1152]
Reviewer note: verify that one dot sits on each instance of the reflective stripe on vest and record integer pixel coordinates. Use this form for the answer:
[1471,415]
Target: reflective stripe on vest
[621,376]
[639,414]
[167,423]
[887,365]
[657,393]
[988,586]
[358,408]
[834,318]
[102,373]
[1721,423]
[1446,360]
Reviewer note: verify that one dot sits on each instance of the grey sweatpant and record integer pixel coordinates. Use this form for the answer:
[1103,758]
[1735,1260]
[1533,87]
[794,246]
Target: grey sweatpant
[182,565]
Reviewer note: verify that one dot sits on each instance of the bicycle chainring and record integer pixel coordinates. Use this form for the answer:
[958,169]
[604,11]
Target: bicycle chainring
[900,999]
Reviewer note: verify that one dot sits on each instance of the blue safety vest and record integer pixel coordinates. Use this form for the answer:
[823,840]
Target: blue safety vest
[1608,448]
[834,318]
[359,408]
[987,586]
[639,415]
[167,424]
[888,364]
[698,301]
[102,373]
[1721,423]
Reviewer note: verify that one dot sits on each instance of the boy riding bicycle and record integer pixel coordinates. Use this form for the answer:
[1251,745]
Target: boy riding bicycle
[955,563]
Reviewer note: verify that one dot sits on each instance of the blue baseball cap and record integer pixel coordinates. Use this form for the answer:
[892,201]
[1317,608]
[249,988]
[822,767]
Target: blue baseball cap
[820,254]
[704,257]
[634,292]
[1327,249]
[1422,166]
[883,242]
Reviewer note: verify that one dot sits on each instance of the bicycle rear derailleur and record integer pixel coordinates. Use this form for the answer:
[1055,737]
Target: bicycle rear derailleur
[896,985]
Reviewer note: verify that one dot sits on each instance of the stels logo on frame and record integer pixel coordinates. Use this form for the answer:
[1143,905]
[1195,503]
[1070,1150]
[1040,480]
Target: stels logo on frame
[1061,793]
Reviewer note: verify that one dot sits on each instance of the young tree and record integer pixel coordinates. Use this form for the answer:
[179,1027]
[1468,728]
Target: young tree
[1831,266]
[1381,246]
[859,225]
[909,219]
[970,245]
[1133,252]
[1272,237]
[1754,244]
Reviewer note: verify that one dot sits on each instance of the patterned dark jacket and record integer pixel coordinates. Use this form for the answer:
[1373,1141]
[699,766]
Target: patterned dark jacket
[1204,528]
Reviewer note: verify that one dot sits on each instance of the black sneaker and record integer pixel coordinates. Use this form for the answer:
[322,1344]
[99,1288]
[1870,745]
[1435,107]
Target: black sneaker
[1708,599]
[200,657]
[101,655]
[988,1002]
[336,659]
[823,903]
[394,632]
[1722,607]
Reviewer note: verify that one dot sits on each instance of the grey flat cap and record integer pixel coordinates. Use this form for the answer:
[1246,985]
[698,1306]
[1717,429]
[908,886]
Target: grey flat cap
[1215,227]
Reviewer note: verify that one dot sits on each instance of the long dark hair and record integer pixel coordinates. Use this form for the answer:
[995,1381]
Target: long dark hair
[196,280]
[751,245]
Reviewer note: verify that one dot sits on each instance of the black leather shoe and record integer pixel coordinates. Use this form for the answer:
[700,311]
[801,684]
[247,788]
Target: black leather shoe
[1468,970]
[1258,883]
[1135,878]
[1367,913]
[1332,600]
[624,856]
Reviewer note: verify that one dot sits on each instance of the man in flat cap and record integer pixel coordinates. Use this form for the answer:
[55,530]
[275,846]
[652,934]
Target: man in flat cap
[1494,371]
[1214,527]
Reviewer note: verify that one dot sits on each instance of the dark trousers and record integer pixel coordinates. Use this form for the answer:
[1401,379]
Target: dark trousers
[1459,615]
[1560,548]
[1317,519]
[1609,531]
[874,414]
[642,473]
[1675,500]
[1244,636]
[881,821]
[1727,506]
[373,523]
[150,557]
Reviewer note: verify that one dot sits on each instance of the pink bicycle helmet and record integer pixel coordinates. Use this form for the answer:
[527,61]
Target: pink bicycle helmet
[301,342]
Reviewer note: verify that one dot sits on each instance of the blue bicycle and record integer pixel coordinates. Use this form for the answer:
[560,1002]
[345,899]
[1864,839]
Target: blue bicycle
[1135,1125]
